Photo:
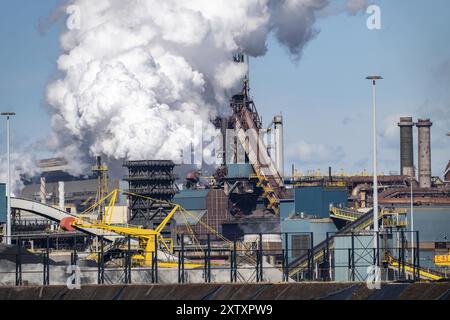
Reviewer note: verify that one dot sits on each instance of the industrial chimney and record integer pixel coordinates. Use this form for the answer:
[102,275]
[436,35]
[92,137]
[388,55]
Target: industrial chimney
[42,191]
[424,126]
[279,145]
[61,193]
[406,146]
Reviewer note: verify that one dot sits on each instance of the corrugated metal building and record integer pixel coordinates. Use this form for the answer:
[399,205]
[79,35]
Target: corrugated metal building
[362,254]
[206,208]
[315,201]
[309,212]
[433,224]
[299,232]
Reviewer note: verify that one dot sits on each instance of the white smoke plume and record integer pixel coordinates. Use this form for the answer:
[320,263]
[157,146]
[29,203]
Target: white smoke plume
[22,166]
[137,74]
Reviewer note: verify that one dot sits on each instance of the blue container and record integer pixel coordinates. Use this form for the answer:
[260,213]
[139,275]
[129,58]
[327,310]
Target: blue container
[316,200]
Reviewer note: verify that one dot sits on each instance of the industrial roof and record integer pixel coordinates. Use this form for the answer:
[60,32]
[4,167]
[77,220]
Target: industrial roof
[192,218]
[192,199]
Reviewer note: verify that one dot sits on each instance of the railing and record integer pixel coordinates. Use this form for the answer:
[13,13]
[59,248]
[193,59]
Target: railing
[346,214]
[424,273]
[211,258]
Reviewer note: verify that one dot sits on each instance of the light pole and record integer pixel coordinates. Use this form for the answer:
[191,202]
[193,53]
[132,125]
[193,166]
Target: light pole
[375,174]
[412,220]
[8,185]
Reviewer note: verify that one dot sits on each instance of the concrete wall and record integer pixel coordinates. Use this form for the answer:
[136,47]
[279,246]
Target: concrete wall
[264,291]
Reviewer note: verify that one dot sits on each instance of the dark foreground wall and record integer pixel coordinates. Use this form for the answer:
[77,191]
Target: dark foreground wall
[297,291]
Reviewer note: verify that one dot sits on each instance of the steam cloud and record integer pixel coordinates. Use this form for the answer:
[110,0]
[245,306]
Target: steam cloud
[139,73]
[23,166]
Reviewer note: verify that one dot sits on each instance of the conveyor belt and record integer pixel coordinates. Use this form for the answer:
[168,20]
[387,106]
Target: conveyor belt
[426,274]
[56,215]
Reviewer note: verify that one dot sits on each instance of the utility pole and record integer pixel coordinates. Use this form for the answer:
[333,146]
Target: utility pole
[412,218]
[375,173]
[8,184]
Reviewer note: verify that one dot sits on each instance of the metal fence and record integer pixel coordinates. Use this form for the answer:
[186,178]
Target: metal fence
[280,257]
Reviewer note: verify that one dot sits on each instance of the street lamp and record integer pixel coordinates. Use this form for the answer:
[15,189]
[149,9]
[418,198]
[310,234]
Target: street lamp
[375,174]
[8,185]
[411,178]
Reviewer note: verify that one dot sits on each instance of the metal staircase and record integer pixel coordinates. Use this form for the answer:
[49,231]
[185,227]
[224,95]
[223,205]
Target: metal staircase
[359,222]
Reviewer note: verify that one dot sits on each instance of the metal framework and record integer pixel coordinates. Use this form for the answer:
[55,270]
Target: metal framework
[248,125]
[151,186]
[101,171]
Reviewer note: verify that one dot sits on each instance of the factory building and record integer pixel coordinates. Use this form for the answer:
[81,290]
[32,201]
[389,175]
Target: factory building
[308,213]
[249,200]
[315,201]
[58,188]
[447,173]
[208,210]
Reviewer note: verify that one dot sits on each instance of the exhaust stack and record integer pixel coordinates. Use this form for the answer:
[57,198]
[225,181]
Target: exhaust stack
[42,191]
[61,193]
[279,144]
[424,127]
[406,147]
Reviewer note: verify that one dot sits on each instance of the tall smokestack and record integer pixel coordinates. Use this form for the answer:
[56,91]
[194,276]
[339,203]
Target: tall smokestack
[406,146]
[279,144]
[42,191]
[61,194]
[424,126]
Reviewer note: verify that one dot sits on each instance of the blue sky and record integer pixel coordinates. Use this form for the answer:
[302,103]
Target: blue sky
[324,97]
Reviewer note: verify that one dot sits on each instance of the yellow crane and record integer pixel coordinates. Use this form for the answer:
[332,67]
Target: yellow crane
[149,240]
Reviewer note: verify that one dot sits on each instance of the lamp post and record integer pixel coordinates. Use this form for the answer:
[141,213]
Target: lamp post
[8,185]
[375,174]
[412,218]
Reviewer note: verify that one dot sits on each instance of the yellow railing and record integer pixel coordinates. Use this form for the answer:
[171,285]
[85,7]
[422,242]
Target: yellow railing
[426,274]
[345,214]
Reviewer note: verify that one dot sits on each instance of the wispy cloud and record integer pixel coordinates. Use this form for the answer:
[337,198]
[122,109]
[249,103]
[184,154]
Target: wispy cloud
[308,154]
